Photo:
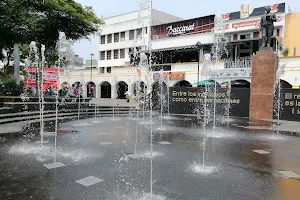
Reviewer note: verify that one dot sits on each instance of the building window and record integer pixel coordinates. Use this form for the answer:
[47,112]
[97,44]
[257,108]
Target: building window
[116,37]
[138,33]
[109,38]
[102,55]
[102,70]
[122,53]
[116,54]
[108,56]
[245,37]
[108,70]
[122,36]
[256,35]
[235,36]
[146,30]
[102,39]
[131,35]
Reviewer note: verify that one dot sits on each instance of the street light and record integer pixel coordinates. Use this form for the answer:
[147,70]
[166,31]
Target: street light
[198,45]
[92,55]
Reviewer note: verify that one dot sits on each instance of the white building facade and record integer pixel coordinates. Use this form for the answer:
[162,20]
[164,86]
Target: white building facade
[179,47]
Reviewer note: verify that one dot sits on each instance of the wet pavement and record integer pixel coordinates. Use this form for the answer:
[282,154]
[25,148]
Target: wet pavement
[240,163]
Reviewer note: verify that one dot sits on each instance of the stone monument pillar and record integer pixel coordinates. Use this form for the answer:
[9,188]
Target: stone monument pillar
[263,78]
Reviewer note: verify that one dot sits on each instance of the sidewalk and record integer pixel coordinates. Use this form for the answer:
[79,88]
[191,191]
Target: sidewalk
[290,126]
[11,128]
[113,102]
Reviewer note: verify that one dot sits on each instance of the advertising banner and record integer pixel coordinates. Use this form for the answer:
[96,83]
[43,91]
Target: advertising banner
[290,102]
[177,76]
[185,100]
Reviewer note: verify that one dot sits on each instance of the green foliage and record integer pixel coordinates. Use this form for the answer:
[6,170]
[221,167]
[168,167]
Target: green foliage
[23,21]
[286,51]
[11,85]
[51,56]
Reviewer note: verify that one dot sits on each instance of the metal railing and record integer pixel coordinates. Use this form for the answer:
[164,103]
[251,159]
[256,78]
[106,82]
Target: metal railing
[244,62]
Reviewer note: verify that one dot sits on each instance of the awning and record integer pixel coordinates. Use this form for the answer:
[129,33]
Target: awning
[206,82]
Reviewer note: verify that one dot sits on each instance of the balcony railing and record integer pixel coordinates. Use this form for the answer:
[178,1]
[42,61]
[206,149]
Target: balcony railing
[244,62]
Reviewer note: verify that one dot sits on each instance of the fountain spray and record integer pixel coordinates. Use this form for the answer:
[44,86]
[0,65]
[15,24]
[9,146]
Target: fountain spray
[219,47]
[161,98]
[151,103]
[39,82]
[277,103]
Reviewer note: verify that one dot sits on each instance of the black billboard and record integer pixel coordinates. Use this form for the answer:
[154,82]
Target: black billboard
[185,100]
[290,104]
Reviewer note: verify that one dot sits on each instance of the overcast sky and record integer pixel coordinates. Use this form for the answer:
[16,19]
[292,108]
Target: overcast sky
[181,8]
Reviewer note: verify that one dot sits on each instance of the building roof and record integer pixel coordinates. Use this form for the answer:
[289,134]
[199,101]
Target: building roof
[138,11]
[276,8]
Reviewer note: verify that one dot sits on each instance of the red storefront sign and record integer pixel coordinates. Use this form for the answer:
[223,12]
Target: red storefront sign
[255,23]
[246,24]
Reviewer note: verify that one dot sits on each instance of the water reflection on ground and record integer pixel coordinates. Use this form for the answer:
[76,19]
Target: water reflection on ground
[232,170]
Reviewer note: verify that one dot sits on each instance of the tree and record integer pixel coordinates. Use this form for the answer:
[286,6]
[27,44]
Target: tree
[23,21]
[8,56]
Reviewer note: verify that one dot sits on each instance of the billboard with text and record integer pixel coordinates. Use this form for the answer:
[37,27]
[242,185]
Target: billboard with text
[184,100]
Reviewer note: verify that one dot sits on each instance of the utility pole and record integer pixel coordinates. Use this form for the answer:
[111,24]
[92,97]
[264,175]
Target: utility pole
[198,45]
[17,63]
[92,55]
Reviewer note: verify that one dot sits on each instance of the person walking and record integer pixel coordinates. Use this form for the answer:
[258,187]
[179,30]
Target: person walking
[76,92]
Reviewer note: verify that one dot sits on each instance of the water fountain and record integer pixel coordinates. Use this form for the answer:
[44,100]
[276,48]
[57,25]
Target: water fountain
[82,81]
[24,97]
[277,101]
[218,49]
[36,63]
[161,97]
[143,66]
[114,87]
[147,163]
[95,112]
[151,103]
[168,95]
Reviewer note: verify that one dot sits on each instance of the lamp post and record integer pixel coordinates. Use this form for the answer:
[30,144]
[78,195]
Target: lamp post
[92,55]
[198,45]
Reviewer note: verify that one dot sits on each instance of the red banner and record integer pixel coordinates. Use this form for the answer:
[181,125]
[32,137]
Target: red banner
[50,78]
[246,24]
[49,70]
